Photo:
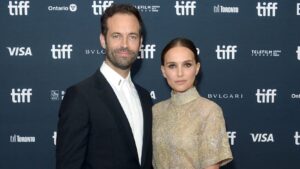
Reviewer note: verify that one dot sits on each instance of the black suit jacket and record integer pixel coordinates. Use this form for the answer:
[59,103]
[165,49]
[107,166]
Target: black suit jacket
[93,130]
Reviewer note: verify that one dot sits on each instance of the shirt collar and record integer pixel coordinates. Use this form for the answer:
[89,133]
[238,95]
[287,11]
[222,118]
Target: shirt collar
[113,78]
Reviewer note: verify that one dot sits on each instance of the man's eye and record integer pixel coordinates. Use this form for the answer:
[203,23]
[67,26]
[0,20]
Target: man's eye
[115,36]
[133,37]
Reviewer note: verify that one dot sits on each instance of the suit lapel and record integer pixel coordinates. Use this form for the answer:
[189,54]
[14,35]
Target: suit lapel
[146,107]
[117,111]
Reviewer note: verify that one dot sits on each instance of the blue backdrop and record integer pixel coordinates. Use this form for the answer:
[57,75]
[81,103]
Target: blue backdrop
[249,51]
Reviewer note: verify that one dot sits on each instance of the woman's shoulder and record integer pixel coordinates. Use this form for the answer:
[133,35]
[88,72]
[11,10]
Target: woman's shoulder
[208,104]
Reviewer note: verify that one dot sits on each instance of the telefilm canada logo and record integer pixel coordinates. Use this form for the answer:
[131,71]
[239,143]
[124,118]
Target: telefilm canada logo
[148,8]
[18,8]
[266,52]
[22,139]
[67,8]
[185,8]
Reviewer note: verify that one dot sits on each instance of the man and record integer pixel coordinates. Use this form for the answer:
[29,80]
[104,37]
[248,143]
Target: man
[105,121]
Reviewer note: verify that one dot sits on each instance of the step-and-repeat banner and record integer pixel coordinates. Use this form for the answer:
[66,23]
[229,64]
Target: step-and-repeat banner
[249,51]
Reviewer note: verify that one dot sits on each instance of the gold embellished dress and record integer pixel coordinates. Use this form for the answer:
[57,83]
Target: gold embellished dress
[189,133]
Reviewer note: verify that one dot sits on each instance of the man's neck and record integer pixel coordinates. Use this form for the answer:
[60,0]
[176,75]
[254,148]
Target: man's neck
[123,73]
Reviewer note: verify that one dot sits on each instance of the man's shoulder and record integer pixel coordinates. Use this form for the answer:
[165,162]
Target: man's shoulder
[89,82]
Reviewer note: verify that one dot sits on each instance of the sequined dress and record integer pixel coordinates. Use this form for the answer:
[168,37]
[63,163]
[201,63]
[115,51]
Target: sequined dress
[189,133]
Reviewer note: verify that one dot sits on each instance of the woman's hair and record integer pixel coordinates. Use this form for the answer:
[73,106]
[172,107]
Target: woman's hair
[184,42]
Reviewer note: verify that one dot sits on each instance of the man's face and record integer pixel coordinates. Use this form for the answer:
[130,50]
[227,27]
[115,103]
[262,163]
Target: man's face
[122,42]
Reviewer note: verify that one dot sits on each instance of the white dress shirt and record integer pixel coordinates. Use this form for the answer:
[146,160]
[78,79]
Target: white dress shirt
[130,102]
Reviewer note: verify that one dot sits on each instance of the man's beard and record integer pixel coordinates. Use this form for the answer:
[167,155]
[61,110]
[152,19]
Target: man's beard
[119,62]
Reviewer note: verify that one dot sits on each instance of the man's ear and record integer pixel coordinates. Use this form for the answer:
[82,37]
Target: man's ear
[102,41]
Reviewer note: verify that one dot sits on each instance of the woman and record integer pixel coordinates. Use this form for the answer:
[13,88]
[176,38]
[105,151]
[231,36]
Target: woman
[188,130]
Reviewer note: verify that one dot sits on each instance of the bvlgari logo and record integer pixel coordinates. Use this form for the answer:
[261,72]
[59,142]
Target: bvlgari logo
[225,96]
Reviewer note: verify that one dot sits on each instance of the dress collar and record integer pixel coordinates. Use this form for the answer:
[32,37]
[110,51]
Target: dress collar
[184,97]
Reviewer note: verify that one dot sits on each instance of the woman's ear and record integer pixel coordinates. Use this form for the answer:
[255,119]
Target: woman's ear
[198,68]
[162,68]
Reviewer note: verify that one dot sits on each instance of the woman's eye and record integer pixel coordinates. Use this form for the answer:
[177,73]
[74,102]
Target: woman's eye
[188,65]
[171,66]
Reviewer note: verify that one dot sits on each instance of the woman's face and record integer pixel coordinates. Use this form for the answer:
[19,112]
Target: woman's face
[180,68]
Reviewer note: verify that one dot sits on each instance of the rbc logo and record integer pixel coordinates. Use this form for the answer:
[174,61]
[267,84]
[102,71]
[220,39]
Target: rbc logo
[185,8]
[226,52]
[266,9]
[21,95]
[61,51]
[19,51]
[18,8]
[266,95]
[147,51]
[298,53]
[100,6]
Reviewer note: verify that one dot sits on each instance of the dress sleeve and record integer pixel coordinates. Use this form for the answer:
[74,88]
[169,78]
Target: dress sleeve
[213,142]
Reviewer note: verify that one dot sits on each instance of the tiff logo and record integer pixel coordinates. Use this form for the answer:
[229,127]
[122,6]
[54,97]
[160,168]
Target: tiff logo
[147,51]
[298,53]
[266,9]
[298,9]
[18,8]
[185,7]
[19,51]
[54,137]
[61,51]
[100,6]
[231,136]
[226,52]
[21,95]
[297,138]
[265,95]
